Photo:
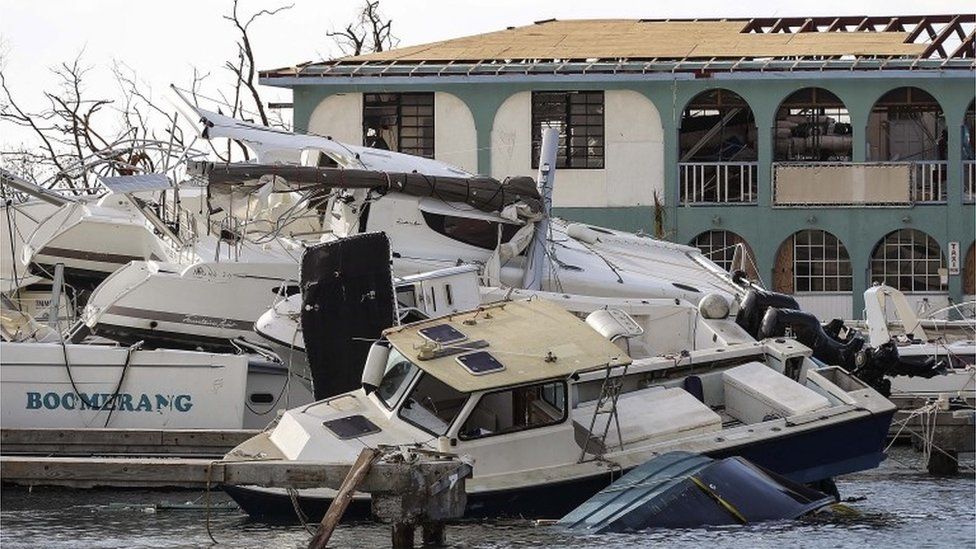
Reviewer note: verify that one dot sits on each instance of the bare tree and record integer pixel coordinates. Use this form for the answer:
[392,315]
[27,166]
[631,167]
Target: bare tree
[82,137]
[243,68]
[370,32]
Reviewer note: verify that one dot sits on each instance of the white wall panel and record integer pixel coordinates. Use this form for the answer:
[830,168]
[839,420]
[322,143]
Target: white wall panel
[827,306]
[634,156]
[340,116]
[455,137]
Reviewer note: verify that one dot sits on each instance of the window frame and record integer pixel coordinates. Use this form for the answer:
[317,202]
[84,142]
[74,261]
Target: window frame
[562,419]
[406,396]
[726,251]
[880,254]
[399,106]
[564,158]
[810,260]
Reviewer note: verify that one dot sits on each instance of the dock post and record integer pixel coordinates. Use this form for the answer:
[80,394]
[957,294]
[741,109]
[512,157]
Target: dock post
[433,534]
[943,463]
[403,535]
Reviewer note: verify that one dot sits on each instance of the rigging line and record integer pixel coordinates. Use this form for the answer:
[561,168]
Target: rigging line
[605,260]
[13,252]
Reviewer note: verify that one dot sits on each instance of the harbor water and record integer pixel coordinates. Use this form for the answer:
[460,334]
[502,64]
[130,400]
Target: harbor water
[898,505]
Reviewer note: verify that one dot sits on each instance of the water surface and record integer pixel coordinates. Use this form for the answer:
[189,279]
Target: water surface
[899,505]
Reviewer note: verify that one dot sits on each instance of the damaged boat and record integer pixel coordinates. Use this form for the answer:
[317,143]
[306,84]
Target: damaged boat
[548,407]
[684,490]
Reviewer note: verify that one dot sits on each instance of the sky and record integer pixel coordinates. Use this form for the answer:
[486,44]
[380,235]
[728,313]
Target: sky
[163,40]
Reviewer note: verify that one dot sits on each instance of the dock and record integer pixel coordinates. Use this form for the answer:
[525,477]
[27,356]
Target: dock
[408,487]
[201,443]
[941,434]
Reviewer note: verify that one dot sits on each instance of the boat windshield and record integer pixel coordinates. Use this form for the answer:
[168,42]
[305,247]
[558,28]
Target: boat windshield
[399,373]
[432,405]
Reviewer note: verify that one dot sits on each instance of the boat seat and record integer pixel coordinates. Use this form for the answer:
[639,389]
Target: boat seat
[647,416]
[755,392]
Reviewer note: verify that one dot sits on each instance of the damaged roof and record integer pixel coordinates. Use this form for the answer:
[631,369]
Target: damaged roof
[697,44]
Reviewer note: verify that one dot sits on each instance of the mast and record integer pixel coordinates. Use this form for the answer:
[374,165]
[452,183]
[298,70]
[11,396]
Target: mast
[534,268]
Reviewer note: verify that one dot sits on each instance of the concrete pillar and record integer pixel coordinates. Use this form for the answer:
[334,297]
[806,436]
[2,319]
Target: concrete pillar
[764,142]
[483,102]
[403,534]
[433,534]
[954,208]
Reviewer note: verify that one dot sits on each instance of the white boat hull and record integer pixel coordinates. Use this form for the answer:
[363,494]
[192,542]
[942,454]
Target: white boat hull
[159,389]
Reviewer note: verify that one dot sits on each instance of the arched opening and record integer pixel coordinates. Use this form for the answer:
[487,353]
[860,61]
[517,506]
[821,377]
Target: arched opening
[719,246]
[908,260]
[908,125]
[812,261]
[717,149]
[969,153]
[969,271]
[812,125]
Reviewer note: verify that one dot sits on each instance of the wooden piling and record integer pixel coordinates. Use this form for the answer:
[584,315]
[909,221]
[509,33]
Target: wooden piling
[338,506]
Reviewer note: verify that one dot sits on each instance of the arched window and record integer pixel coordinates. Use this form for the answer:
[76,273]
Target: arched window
[813,125]
[812,261]
[717,125]
[908,260]
[717,142]
[719,246]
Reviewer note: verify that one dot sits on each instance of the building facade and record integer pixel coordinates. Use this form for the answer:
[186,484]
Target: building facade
[838,160]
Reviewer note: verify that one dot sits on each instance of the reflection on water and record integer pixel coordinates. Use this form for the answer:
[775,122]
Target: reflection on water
[901,507]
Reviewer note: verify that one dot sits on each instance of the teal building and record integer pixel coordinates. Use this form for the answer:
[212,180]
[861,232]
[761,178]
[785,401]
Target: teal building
[838,152]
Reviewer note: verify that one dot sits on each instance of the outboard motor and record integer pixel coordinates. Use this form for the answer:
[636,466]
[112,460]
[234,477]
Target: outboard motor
[884,360]
[807,330]
[347,302]
[754,306]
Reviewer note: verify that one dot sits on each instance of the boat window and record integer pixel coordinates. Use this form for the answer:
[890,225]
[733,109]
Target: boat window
[516,409]
[432,405]
[399,373]
[475,232]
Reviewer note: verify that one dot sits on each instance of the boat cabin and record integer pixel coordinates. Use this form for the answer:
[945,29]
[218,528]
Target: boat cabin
[537,374]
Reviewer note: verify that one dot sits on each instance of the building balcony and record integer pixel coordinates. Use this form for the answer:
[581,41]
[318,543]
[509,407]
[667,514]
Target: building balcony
[859,184]
[718,183]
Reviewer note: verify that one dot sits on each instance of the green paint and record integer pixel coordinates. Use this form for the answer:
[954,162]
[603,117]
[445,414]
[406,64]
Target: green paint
[763,226]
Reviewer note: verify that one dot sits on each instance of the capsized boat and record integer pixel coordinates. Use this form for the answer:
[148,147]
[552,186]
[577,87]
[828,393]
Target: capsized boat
[684,490]
[546,407]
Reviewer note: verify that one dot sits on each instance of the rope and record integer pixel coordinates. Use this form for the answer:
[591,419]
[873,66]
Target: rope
[302,518]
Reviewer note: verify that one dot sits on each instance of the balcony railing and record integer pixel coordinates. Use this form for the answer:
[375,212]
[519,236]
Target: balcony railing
[929,183]
[969,180]
[718,183]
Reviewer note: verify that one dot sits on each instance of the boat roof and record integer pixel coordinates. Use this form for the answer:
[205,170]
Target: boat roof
[533,340]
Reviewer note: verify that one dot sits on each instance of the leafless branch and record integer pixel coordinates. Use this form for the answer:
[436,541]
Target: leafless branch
[370,32]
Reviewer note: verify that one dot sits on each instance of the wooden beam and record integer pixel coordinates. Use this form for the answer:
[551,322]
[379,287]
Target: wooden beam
[965,50]
[936,44]
[917,31]
[89,472]
[155,442]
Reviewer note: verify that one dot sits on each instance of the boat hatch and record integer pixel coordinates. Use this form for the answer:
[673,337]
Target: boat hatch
[351,427]
[480,363]
[444,334]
